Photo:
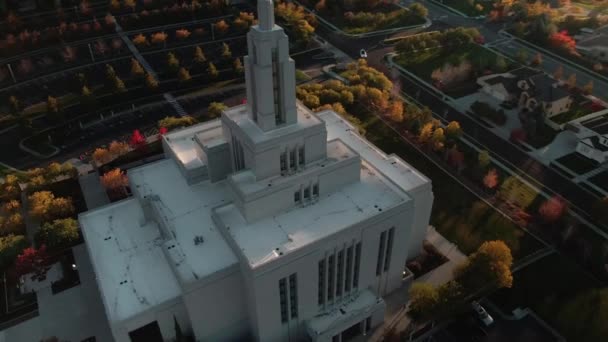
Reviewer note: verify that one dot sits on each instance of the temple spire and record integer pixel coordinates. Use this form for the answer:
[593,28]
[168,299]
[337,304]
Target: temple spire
[265,15]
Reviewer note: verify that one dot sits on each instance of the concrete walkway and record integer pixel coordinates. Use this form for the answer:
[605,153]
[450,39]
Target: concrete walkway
[94,193]
[396,319]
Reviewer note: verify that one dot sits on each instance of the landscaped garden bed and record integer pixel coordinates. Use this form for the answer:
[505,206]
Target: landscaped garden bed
[577,163]
[450,60]
[472,8]
[365,17]
[577,110]
[429,259]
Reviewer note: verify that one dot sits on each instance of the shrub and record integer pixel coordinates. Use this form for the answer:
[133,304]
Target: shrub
[171,122]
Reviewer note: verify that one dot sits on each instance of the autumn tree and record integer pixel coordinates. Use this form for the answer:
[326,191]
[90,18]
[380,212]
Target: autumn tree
[238,66]
[33,261]
[140,40]
[58,234]
[226,53]
[453,131]
[119,86]
[426,133]
[14,105]
[118,148]
[101,156]
[182,34]
[151,82]
[172,63]
[456,158]
[52,109]
[137,70]
[221,27]
[212,71]
[562,40]
[215,109]
[490,180]
[183,75]
[44,206]
[86,97]
[490,265]
[137,140]
[159,38]
[553,209]
[244,21]
[438,139]
[394,111]
[199,56]
[115,182]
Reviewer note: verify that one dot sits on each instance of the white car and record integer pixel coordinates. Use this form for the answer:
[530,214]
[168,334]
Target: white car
[363,53]
[483,315]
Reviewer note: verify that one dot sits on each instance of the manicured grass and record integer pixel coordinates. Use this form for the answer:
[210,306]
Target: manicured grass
[577,163]
[457,213]
[423,63]
[574,113]
[546,287]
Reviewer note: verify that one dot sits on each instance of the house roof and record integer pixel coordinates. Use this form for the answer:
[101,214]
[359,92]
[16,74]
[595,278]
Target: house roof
[594,141]
[545,88]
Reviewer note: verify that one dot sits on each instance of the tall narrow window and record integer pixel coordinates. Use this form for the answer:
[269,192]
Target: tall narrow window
[293,295]
[292,159]
[321,284]
[380,253]
[349,265]
[276,87]
[357,265]
[331,277]
[315,190]
[296,196]
[301,155]
[283,298]
[389,248]
[283,162]
[307,193]
[340,282]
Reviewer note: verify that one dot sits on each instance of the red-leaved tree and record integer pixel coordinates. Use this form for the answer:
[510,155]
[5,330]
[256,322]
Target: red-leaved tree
[162,131]
[553,209]
[34,261]
[137,140]
[562,40]
[490,180]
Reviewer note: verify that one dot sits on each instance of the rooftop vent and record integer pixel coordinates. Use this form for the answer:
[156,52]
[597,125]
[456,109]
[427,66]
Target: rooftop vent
[198,240]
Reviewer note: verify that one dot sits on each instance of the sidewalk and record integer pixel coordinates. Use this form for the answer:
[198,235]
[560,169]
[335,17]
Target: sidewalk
[396,319]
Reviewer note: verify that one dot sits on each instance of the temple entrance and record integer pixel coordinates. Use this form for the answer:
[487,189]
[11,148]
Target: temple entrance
[147,333]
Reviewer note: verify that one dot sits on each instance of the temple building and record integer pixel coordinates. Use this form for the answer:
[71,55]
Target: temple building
[272,223]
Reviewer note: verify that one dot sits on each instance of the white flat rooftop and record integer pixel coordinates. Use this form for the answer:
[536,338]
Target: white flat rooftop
[393,167]
[239,116]
[270,238]
[131,269]
[186,213]
[183,145]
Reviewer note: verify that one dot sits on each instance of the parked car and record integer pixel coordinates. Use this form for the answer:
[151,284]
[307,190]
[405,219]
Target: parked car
[363,53]
[482,314]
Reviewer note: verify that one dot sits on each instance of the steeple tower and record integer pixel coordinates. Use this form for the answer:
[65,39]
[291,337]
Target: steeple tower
[269,73]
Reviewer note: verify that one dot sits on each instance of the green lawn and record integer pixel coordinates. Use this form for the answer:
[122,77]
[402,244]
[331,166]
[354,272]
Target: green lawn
[457,213]
[423,63]
[548,287]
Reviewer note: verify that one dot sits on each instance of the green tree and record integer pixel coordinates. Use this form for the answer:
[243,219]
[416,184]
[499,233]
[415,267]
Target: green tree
[501,64]
[110,72]
[58,234]
[14,105]
[215,109]
[303,32]
[212,71]
[86,97]
[522,56]
[418,10]
[490,265]
[10,246]
[483,159]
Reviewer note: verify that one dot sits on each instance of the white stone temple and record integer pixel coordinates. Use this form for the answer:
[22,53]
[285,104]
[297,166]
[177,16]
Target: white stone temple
[272,223]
